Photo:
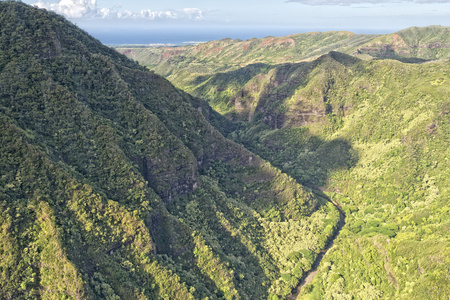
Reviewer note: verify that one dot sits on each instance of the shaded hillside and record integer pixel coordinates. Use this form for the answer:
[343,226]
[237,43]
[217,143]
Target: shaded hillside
[277,95]
[115,185]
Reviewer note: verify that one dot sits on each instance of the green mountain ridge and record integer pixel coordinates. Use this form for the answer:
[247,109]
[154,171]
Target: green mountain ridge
[228,54]
[415,44]
[262,91]
[114,185]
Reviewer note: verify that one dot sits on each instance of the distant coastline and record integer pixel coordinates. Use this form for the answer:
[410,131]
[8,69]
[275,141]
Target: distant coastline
[161,37]
[158,45]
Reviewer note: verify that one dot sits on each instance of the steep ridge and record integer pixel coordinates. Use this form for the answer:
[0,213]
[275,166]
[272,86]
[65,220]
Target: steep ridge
[271,92]
[115,185]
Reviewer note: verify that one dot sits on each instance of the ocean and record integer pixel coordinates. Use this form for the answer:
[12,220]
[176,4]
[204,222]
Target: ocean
[182,36]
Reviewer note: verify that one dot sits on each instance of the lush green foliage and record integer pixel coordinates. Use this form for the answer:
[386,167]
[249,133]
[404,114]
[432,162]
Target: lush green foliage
[114,185]
[387,152]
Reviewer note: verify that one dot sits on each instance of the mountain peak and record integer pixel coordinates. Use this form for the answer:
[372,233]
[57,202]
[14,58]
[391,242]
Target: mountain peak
[342,58]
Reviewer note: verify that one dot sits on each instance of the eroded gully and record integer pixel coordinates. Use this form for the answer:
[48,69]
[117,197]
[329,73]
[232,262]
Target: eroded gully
[309,276]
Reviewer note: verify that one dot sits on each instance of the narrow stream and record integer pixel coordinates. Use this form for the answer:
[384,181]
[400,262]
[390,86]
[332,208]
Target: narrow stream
[309,276]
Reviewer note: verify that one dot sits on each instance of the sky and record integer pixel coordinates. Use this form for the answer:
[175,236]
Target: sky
[214,19]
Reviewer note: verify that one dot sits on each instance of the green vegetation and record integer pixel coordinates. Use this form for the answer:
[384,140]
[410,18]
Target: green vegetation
[415,44]
[381,147]
[115,185]
[228,55]
[373,134]
[397,193]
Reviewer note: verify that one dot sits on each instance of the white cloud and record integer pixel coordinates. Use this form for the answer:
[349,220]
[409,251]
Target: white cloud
[145,14]
[75,9]
[104,12]
[71,8]
[350,2]
[193,13]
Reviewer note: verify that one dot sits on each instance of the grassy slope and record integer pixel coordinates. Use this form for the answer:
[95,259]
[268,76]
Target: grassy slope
[400,131]
[413,44]
[227,54]
[113,183]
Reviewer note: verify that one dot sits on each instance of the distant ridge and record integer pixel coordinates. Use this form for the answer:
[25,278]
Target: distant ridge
[415,44]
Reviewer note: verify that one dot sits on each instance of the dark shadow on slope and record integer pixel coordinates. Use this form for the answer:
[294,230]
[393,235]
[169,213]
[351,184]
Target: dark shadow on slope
[307,158]
[412,60]
[289,78]
[406,60]
[257,91]
[175,248]
[200,212]
[388,52]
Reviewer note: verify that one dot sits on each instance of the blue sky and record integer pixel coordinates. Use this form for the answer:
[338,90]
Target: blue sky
[289,15]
